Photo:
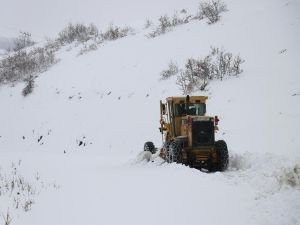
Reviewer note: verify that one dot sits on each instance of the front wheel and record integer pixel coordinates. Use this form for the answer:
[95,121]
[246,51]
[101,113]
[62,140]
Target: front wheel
[222,155]
[149,147]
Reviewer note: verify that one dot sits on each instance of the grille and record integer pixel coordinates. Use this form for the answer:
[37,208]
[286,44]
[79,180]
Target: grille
[203,133]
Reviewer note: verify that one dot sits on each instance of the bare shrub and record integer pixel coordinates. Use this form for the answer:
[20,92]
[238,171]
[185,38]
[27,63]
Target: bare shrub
[178,20]
[29,87]
[81,33]
[224,63]
[236,65]
[22,41]
[43,58]
[197,73]
[15,67]
[171,71]
[7,219]
[77,32]
[184,83]
[27,205]
[21,65]
[115,32]
[87,48]
[212,10]
[183,11]
[148,24]
[166,23]
[52,45]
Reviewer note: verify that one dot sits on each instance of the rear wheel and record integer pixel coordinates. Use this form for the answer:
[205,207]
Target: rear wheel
[149,147]
[222,154]
[174,152]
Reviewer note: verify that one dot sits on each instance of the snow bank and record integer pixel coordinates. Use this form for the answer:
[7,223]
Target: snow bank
[144,156]
[267,173]
[289,176]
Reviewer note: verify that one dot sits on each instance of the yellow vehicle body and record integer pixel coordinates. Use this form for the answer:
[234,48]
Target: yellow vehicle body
[189,134]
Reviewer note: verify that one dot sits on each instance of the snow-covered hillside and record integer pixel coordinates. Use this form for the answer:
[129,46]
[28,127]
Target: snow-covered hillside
[76,138]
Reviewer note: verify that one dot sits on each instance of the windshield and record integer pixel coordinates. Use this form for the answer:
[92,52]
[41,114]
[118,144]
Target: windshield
[197,109]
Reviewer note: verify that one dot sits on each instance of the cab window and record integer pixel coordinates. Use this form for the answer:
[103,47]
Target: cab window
[198,109]
[194,109]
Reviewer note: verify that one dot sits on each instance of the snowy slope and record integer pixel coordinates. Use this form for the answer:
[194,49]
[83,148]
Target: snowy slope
[47,18]
[108,101]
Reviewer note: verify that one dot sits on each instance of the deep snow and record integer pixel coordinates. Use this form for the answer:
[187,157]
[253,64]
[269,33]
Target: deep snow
[109,100]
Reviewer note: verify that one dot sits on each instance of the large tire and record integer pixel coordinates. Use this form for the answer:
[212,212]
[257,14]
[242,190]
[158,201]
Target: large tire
[165,148]
[149,147]
[174,152]
[222,154]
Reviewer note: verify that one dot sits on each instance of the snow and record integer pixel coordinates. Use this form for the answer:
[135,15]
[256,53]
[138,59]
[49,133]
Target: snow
[108,100]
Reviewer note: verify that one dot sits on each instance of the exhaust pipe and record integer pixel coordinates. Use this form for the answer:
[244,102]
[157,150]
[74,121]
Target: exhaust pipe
[187,103]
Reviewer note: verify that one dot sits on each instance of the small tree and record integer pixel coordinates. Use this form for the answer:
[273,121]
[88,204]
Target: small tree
[183,83]
[23,40]
[29,87]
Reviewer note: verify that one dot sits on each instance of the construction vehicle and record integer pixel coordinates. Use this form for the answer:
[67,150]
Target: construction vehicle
[189,135]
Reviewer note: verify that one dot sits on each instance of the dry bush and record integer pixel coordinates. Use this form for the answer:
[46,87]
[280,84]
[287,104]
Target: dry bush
[87,48]
[212,10]
[115,32]
[224,63]
[171,71]
[7,218]
[21,65]
[148,24]
[166,23]
[29,87]
[81,33]
[19,190]
[23,40]
[164,26]
[197,73]
[184,83]
[77,32]
[53,45]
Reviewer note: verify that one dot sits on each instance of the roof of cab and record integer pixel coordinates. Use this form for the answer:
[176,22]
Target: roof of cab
[192,98]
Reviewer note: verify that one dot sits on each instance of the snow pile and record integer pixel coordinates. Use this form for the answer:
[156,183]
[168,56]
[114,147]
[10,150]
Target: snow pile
[144,156]
[239,161]
[290,176]
[267,173]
